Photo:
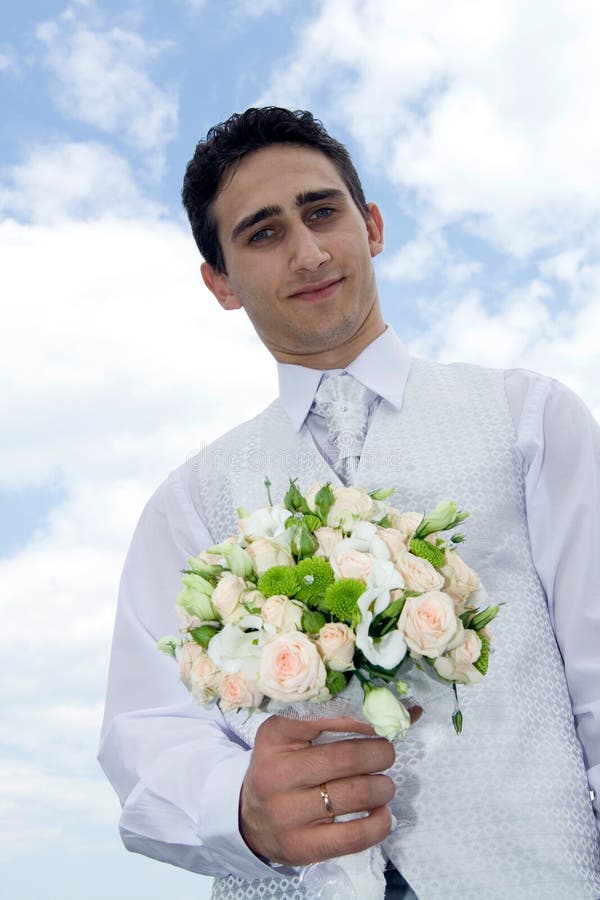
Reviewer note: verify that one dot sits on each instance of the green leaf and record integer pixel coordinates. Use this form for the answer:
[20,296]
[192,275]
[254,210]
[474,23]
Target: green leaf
[386,522]
[387,618]
[335,682]
[204,634]
[312,621]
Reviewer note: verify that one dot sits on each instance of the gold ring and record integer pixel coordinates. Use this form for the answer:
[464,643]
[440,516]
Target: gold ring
[326,800]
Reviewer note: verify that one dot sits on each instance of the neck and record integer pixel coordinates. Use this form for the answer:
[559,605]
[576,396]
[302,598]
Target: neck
[340,355]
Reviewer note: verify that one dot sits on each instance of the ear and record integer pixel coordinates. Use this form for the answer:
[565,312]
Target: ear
[374,229]
[218,284]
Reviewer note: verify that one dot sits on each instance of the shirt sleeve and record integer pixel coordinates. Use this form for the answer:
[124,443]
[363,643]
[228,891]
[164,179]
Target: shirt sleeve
[560,444]
[176,768]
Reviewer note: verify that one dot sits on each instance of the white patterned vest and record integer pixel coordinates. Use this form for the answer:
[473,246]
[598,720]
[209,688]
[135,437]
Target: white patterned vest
[503,810]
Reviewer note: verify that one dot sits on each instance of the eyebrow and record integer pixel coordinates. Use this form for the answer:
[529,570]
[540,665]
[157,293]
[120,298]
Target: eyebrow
[266,212]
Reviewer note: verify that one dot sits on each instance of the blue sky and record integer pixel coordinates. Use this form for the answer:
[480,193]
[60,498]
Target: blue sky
[474,127]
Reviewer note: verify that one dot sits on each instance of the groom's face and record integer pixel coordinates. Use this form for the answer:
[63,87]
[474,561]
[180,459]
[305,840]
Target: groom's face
[298,251]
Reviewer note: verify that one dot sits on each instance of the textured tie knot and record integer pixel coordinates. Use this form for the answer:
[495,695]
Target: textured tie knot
[344,402]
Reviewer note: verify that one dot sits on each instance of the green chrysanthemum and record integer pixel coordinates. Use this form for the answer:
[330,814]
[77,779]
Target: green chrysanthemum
[422,548]
[341,599]
[484,657]
[315,575]
[279,580]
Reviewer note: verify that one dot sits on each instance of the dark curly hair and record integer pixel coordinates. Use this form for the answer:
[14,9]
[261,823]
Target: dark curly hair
[243,133]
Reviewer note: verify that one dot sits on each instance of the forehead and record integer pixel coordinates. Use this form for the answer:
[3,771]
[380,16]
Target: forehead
[272,176]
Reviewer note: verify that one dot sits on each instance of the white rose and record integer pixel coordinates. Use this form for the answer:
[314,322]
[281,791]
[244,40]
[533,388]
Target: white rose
[227,597]
[291,669]
[388,716]
[266,553]
[419,574]
[406,523]
[461,580]
[349,503]
[237,692]
[430,625]
[349,563]
[282,613]
[204,678]
[188,654]
[327,538]
[336,645]
[457,665]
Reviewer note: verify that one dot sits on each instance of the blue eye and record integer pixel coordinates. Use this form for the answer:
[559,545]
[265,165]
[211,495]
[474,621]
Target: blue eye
[323,213]
[261,235]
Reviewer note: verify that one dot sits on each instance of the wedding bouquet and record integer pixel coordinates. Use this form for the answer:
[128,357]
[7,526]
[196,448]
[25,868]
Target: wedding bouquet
[318,593]
[325,588]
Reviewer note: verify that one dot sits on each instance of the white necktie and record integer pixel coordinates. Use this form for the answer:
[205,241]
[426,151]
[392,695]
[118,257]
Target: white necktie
[344,403]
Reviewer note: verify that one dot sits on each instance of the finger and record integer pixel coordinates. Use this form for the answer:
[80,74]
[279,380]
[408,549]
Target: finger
[281,731]
[414,710]
[350,795]
[341,759]
[315,843]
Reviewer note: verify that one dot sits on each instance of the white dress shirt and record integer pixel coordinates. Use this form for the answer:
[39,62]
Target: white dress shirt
[177,771]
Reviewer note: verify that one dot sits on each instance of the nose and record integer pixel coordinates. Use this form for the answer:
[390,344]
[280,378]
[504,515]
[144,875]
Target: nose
[307,252]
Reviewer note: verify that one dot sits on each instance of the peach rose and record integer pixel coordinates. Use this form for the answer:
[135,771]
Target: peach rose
[429,624]
[336,645]
[237,691]
[419,574]
[394,540]
[458,664]
[406,523]
[187,656]
[266,553]
[291,669]
[351,564]
[205,678]
[461,579]
[311,494]
[282,613]
[349,503]
[327,539]
[227,596]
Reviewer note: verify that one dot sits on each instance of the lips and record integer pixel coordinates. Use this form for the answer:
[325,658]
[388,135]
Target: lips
[318,290]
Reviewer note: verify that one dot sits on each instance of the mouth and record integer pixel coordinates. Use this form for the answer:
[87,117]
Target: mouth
[318,291]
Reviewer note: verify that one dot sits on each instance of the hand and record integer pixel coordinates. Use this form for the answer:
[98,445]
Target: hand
[282,813]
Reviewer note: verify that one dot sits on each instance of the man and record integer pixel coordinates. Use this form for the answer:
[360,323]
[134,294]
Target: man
[280,218]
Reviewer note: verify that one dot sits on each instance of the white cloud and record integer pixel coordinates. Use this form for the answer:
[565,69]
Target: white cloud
[68,180]
[8,58]
[481,113]
[129,363]
[103,79]
[254,9]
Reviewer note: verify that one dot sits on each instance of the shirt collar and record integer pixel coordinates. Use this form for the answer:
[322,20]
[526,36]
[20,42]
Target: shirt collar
[382,366]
